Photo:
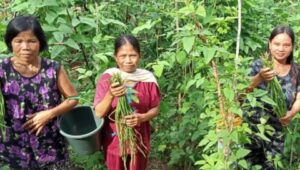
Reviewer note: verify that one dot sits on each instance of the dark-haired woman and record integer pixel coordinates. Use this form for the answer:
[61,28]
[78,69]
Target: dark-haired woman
[32,87]
[280,47]
[127,57]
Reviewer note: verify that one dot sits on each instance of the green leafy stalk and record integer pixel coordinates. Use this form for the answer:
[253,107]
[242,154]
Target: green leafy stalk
[127,135]
[275,90]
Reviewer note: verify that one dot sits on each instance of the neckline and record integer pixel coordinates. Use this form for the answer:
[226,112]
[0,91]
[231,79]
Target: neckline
[288,73]
[31,77]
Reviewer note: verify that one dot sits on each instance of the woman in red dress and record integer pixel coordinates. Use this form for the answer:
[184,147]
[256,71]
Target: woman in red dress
[127,57]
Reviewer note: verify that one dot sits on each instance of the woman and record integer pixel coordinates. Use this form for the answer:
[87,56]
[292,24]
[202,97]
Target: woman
[127,57]
[280,47]
[32,87]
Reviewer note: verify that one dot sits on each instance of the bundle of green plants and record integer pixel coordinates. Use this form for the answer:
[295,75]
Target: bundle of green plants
[128,136]
[274,88]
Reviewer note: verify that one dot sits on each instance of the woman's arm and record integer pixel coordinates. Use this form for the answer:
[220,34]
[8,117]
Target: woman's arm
[37,121]
[291,113]
[103,107]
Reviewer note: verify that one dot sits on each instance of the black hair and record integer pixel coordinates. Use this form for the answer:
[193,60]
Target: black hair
[289,31]
[123,39]
[25,23]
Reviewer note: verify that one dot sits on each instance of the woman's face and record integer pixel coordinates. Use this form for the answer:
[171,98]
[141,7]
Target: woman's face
[127,58]
[281,47]
[25,46]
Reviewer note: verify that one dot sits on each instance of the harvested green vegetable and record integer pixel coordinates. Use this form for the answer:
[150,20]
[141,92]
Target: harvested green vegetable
[127,136]
[274,88]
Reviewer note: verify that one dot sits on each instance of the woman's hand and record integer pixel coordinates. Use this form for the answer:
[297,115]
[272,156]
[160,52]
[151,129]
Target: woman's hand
[134,119]
[266,74]
[36,122]
[286,119]
[117,90]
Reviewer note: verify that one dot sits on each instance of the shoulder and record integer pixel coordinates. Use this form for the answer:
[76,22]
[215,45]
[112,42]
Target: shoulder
[146,72]
[257,63]
[50,64]
[48,61]
[4,61]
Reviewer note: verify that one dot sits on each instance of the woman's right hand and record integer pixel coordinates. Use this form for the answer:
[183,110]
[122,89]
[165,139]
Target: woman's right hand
[266,74]
[117,90]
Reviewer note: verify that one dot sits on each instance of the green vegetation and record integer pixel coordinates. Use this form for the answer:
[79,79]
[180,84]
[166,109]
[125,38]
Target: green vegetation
[191,48]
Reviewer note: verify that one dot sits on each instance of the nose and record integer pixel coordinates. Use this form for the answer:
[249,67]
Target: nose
[127,59]
[281,48]
[24,45]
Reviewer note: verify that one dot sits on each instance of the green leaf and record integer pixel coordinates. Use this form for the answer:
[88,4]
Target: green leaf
[3,47]
[113,21]
[71,43]
[75,21]
[188,43]
[268,100]
[89,21]
[181,57]
[147,25]
[203,142]
[56,50]
[59,36]
[102,57]
[189,84]
[50,17]
[262,136]
[81,70]
[228,93]
[50,3]
[241,153]
[158,69]
[200,82]
[185,107]
[162,148]
[135,98]
[208,53]
[201,11]
[243,164]
[65,28]
[20,7]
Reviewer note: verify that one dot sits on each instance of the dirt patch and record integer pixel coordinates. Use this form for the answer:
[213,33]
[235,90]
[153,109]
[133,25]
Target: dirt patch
[155,164]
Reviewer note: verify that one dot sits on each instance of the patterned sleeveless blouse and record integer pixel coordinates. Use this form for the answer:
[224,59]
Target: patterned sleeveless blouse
[24,96]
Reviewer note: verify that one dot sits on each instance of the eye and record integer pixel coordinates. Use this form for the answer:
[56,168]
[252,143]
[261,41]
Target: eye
[17,41]
[32,41]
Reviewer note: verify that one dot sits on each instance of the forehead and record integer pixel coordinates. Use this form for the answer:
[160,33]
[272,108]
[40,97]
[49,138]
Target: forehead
[26,34]
[284,37]
[127,48]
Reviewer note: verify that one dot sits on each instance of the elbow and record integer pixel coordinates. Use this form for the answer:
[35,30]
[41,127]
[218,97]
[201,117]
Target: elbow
[99,112]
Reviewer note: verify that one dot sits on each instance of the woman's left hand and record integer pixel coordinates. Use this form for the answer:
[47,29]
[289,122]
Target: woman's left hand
[286,119]
[36,122]
[133,120]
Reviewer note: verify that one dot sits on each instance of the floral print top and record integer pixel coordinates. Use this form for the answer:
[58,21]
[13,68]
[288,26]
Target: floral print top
[24,96]
[290,90]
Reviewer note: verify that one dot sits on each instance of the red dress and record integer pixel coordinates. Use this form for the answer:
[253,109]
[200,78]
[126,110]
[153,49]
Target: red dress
[149,97]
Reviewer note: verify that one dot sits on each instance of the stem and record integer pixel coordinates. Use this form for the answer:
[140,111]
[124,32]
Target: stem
[238,33]
[82,50]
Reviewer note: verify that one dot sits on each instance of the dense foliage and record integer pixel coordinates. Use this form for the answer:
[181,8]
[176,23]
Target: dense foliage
[191,48]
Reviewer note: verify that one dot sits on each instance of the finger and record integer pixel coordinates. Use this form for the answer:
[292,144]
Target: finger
[38,131]
[28,124]
[116,84]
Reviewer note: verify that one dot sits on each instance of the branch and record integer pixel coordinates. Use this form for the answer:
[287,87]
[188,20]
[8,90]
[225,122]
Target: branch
[238,33]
